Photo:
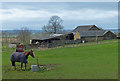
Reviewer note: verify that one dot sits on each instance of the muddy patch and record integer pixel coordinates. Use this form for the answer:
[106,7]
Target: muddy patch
[48,66]
[43,67]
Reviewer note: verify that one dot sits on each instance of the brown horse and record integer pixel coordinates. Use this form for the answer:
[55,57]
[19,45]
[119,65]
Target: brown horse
[20,57]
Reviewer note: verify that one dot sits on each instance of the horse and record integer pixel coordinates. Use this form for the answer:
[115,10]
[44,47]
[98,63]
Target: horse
[20,57]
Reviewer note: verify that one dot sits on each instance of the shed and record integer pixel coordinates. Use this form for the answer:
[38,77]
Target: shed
[13,45]
[109,35]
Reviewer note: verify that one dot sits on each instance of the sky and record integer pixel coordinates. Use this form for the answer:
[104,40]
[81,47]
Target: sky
[35,15]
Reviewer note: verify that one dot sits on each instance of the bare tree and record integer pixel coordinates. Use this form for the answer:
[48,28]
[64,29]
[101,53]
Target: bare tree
[54,25]
[5,38]
[37,35]
[24,35]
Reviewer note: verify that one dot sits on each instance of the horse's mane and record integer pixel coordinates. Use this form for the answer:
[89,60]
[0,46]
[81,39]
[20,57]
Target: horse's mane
[26,53]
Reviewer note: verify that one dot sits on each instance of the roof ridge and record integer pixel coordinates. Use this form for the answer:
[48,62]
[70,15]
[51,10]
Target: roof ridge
[82,26]
[86,25]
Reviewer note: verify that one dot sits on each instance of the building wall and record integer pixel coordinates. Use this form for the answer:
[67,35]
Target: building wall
[109,36]
[12,45]
[92,39]
[77,36]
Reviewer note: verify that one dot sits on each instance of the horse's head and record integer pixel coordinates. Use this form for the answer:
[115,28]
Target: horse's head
[32,54]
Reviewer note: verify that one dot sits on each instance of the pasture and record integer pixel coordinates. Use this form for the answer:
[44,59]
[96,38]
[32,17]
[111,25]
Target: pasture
[97,61]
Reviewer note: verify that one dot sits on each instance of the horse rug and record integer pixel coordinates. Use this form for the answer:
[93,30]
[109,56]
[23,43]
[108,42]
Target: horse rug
[18,57]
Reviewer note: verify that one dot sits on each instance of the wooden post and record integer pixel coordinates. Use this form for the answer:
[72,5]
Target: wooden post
[96,37]
[37,61]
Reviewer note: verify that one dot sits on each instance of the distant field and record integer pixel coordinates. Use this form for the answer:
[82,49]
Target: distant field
[97,61]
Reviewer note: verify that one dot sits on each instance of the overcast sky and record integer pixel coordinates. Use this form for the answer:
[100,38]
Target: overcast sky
[35,15]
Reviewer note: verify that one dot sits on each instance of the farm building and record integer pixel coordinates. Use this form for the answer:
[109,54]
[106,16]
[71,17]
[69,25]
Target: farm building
[52,38]
[109,35]
[86,33]
[13,45]
[92,33]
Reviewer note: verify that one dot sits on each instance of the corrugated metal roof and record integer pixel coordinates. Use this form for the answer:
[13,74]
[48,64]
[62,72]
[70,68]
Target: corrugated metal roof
[91,33]
[54,35]
[83,28]
[50,36]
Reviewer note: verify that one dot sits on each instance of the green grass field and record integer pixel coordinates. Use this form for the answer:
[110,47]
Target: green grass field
[99,61]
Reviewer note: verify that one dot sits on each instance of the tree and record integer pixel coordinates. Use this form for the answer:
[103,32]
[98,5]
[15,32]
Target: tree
[5,38]
[54,25]
[24,35]
[36,35]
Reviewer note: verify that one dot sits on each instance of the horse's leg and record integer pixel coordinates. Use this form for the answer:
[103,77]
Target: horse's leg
[21,65]
[25,66]
[13,64]
[15,67]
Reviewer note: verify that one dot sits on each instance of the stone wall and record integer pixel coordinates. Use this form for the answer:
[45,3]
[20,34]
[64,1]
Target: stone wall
[93,39]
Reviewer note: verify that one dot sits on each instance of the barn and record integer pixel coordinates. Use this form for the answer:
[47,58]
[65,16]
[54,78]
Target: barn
[92,33]
[52,38]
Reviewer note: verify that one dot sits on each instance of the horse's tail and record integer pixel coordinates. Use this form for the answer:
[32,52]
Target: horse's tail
[12,57]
